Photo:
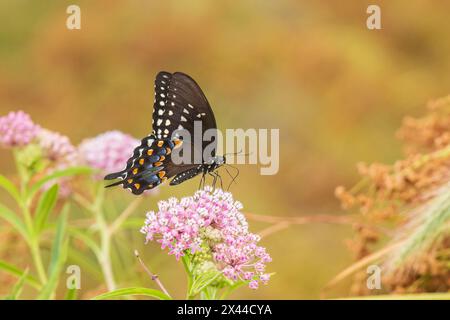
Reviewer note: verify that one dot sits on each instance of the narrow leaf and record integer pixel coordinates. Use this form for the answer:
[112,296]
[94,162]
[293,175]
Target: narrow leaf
[13,270]
[202,282]
[45,206]
[10,188]
[17,289]
[58,174]
[58,257]
[14,220]
[132,292]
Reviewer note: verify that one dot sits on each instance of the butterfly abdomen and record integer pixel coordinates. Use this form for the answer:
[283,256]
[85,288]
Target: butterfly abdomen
[186,175]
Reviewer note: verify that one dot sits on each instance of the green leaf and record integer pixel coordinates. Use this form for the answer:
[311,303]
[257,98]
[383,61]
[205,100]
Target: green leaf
[17,289]
[58,174]
[202,281]
[133,291]
[10,188]
[45,206]
[8,268]
[58,257]
[14,220]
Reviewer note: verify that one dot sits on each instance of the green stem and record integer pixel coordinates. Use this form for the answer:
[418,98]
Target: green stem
[104,256]
[186,264]
[105,259]
[33,238]
[37,259]
[33,243]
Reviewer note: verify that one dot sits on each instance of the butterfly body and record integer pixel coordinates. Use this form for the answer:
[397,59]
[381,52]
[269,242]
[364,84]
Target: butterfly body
[179,103]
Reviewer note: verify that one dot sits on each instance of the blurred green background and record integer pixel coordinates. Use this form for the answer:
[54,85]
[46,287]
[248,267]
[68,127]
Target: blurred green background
[336,90]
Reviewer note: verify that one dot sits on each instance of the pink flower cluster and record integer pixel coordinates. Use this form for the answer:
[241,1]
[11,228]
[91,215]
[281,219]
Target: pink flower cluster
[17,129]
[57,147]
[210,219]
[108,151]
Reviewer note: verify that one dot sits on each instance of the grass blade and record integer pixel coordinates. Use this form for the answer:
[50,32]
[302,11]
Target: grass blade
[362,263]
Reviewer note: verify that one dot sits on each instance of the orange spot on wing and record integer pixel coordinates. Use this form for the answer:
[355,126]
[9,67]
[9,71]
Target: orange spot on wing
[162,158]
[160,143]
[141,161]
[157,164]
[150,152]
[168,150]
[130,180]
[161,174]
[137,185]
[178,142]
[135,170]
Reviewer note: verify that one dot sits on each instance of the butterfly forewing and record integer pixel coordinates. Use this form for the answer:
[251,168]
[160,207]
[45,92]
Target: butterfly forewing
[179,102]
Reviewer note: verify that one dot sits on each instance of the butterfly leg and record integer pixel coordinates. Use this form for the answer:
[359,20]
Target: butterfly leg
[220,180]
[202,181]
[214,175]
[217,178]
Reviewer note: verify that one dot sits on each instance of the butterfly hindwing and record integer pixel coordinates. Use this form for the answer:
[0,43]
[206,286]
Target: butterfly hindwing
[145,169]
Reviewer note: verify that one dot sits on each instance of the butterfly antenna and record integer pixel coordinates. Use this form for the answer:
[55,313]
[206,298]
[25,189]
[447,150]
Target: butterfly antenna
[238,153]
[233,178]
[228,188]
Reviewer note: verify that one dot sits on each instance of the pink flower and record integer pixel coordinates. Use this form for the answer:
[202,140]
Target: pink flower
[253,285]
[108,151]
[62,154]
[210,221]
[17,129]
[57,148]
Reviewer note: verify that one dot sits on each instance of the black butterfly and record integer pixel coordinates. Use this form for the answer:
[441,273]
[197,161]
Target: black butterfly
[179,102]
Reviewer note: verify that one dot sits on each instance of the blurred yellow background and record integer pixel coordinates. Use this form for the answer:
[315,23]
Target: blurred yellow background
[336,90]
